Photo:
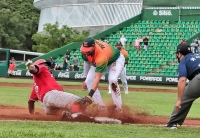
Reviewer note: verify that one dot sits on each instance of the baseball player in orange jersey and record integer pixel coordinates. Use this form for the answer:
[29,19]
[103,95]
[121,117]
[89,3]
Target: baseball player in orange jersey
[99,58]
[123,73]
[48,91]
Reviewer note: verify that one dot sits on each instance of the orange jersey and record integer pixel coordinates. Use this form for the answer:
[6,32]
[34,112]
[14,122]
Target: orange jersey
[103,56]
[125,54]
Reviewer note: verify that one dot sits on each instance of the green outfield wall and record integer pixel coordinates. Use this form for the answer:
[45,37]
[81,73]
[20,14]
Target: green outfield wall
[169,3]
[72,75]
[190,14]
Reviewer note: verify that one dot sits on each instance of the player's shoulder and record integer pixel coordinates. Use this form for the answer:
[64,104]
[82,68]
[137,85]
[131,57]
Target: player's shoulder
[190,56]
[124,51]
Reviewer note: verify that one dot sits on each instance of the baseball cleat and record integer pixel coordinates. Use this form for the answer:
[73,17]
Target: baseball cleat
[171,126]
[66,114]
[126,92]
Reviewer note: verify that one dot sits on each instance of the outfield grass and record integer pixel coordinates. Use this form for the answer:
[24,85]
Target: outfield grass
[153,103]
[31,129]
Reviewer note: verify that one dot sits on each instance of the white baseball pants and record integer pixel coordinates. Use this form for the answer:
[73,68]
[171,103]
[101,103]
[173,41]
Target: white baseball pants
[123,79]
[56,99]
[114,71]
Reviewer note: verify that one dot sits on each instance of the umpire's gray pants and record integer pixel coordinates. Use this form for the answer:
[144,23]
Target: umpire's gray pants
[191,93]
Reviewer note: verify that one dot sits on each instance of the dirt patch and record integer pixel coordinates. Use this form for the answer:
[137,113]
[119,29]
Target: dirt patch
[19,113]
[101,88]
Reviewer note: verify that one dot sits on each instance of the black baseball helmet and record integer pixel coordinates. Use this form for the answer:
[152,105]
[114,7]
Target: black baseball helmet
[184,49]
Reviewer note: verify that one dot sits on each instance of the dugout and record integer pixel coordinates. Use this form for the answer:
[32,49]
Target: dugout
[4,61]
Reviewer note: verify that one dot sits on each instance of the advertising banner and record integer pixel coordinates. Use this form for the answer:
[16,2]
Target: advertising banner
[130,77]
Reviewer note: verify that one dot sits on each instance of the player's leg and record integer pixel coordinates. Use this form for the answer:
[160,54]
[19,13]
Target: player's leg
[109,89]
[124,80]
[190,94]
[114,72]
[56,99]
[46,108]
[97,96]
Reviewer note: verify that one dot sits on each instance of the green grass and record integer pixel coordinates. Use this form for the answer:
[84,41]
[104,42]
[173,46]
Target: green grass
[31,129]
[153,103]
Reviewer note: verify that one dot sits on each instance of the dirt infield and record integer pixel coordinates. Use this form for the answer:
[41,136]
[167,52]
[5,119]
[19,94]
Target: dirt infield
[20,113]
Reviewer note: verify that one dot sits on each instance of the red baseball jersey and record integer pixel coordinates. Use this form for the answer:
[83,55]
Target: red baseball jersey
[43,83]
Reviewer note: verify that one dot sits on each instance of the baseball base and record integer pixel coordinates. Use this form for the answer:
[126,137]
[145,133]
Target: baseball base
[107,120]
[79,117]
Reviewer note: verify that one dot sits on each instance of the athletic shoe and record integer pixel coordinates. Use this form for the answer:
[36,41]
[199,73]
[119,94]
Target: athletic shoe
[109,92]
[171,126]
[126,92]
[66,114]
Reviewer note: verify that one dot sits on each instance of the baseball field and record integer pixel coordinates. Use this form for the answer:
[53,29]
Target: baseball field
[149,108]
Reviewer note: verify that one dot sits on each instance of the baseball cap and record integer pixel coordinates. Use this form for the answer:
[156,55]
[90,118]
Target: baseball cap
[184,49]
[119,44]
[87,45]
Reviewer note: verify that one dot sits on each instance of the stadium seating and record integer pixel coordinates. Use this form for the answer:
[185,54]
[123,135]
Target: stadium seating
[163,40]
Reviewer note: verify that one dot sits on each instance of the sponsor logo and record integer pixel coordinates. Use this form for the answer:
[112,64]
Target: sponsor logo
[131,77]
[171,79]
[28,73]
[78,76]
[63,75]
[155,12]
[162,13]
[145,78]
[17,72]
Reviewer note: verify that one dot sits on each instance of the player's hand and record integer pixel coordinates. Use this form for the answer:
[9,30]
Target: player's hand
[29,63]
[178,105]
[84,86]
[83,102]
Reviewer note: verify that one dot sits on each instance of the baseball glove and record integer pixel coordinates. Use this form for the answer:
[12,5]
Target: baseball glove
[91,110]
[83,102]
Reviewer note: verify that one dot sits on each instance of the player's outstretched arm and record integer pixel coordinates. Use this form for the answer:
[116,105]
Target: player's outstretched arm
[87,100]
[95,83]
[31,106]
